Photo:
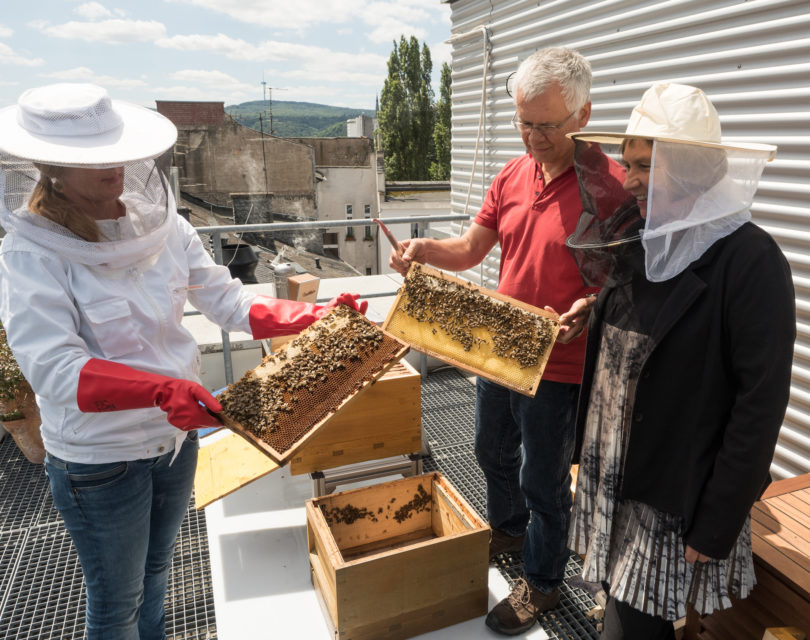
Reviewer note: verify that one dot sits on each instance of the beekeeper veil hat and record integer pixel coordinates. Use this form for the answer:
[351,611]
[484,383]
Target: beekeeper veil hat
[700,185]
[79,126]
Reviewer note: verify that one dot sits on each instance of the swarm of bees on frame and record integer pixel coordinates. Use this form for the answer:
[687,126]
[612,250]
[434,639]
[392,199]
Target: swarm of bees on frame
[459,309]
[341,337]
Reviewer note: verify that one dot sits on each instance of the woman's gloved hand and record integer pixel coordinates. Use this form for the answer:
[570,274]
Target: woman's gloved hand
[111,386]
[271,317]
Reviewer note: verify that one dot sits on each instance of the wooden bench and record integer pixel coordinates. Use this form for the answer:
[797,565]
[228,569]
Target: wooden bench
[780,538]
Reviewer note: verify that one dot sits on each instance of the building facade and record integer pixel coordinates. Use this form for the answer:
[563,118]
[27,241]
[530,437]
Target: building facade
[266,178]
[751,58]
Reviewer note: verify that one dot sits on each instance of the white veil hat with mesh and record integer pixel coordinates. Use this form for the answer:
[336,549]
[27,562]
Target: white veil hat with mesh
[700,187]
[672,112]
[78,125]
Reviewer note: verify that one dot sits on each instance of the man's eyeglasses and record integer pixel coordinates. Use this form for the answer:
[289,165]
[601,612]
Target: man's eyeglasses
[543,129]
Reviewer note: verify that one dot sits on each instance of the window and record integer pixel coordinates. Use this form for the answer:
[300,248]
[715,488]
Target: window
[368,271]
[330,244]
[349,230]
[367,213]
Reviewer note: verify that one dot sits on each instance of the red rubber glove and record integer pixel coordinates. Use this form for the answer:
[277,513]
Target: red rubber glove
[110,386]
[271,317]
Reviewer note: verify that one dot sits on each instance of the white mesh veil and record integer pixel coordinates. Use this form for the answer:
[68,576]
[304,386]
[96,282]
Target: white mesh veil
[144,228]
[696,196]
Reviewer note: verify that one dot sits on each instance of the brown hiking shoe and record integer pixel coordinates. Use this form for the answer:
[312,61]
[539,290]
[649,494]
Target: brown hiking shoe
[500,542]
[519,610]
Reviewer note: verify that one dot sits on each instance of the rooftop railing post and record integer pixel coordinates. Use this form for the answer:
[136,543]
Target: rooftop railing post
[227,362]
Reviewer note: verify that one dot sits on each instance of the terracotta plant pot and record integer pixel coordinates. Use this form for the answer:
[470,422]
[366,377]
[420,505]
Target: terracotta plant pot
[25,430]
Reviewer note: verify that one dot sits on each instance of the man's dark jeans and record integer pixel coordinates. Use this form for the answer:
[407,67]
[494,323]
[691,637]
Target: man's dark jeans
[524,446]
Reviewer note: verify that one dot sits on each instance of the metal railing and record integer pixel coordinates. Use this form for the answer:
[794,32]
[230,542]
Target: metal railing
[422,224]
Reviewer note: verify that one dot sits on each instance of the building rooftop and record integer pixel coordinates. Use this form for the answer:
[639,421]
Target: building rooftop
[318,265]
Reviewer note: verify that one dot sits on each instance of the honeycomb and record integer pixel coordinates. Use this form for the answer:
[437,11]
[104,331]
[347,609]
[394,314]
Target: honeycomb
[279,402]
[490,334]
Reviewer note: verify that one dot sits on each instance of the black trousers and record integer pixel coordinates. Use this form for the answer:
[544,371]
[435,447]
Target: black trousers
[623,622]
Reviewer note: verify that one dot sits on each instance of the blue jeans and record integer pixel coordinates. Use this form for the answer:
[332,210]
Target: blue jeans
[123,518]
[524,446]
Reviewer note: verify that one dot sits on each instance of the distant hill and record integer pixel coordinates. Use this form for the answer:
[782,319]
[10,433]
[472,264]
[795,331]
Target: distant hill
[296,119]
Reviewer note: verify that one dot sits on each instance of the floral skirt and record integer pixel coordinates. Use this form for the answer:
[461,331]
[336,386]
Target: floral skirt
[636,549]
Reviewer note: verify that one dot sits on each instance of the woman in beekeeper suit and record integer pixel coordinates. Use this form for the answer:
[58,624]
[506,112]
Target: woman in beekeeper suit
[95,270]
[688,364]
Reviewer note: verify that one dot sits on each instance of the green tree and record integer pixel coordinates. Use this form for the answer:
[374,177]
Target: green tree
[440,168]
[406,117]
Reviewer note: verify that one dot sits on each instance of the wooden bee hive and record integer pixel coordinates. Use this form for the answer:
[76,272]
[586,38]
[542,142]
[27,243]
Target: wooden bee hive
[384,420]
[487,333]
[281,403]
[397,559]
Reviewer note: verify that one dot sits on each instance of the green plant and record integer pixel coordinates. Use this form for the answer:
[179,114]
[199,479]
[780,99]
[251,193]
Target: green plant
[12,381]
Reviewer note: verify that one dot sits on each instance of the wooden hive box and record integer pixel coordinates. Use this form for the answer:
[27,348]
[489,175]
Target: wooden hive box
[384,420]
[397,559]
[485,332]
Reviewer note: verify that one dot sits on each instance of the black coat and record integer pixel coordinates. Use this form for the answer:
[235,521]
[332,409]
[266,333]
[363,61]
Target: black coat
[713,392]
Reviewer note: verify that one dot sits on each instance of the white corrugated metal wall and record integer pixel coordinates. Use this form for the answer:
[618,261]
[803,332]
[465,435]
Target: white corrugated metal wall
[752,59]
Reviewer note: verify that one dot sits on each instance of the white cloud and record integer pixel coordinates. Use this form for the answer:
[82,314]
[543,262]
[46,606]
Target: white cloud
[114,31]
[386,19]
[9,57]
[337,76]
[220,81]
[390,21]
[92,11]
[201,93]
[5,32]
[296,15]
[315,63]
[84,74]
[440,52]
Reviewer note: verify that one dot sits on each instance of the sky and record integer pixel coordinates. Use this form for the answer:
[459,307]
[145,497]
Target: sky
[324,51]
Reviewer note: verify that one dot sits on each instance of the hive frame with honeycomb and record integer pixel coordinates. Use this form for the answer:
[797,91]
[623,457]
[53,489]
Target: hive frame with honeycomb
[309,405]
[432,320]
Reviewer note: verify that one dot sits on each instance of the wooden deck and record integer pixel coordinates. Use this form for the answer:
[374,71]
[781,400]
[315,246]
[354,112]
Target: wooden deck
[780,537]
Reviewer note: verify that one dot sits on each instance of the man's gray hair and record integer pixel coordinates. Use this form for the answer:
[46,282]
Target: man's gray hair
[555,65]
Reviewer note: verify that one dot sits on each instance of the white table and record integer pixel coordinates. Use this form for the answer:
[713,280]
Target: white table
[260,567]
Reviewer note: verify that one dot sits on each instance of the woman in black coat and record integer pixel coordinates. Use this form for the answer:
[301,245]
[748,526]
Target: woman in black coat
[687,373]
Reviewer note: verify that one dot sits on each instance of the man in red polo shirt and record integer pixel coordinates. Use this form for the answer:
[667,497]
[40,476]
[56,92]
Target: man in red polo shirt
[524,445]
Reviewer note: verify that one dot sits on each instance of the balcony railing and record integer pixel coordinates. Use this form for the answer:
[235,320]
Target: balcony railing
[422,224]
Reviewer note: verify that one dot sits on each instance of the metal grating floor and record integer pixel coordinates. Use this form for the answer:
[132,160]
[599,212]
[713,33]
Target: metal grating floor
[41,589]
[448,404]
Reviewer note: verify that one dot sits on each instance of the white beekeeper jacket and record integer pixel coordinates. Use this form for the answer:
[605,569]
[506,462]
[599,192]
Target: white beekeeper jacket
[59,312]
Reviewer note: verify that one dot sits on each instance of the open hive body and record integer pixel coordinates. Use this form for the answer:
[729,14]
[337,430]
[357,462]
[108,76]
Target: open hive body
[281,403]
[384,420]
[397,559]
[485,332]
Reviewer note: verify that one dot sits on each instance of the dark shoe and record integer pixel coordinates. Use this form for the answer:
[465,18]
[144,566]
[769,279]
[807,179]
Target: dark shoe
[519,610]
[500,542]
